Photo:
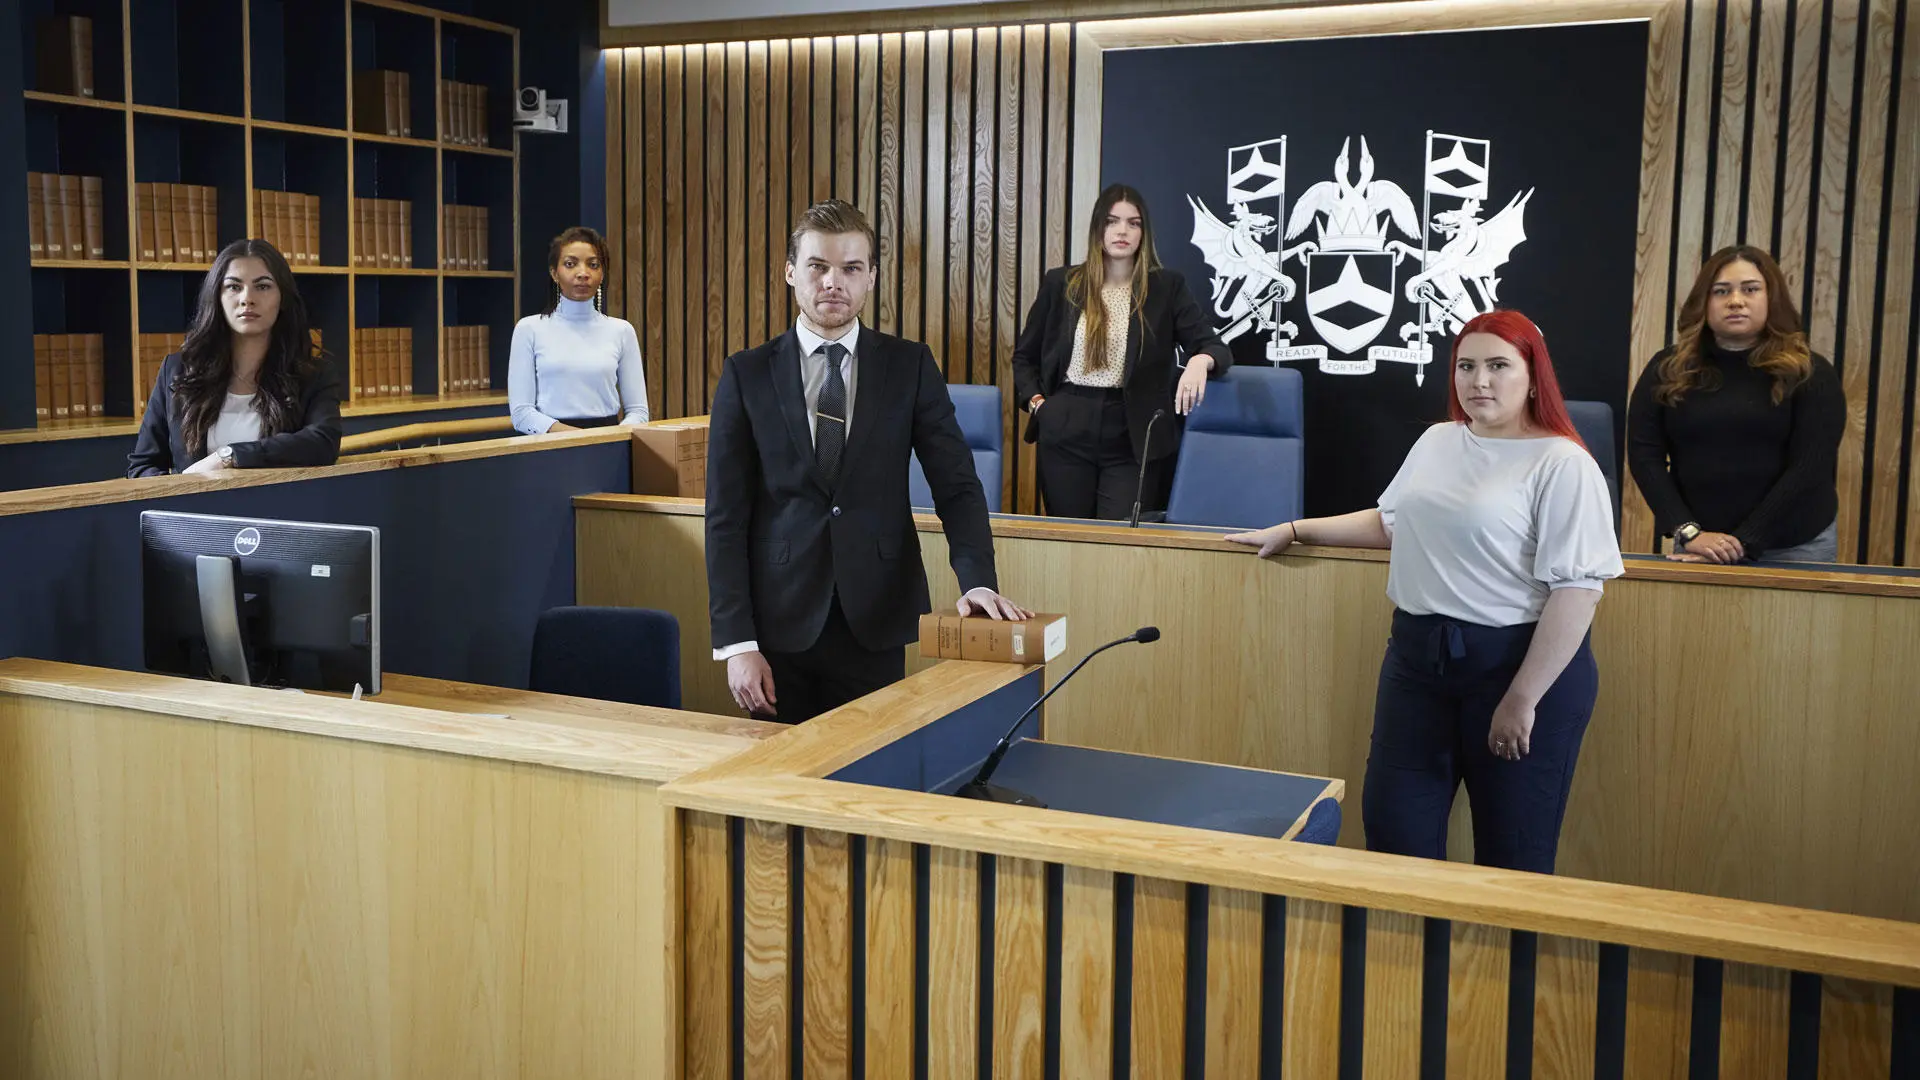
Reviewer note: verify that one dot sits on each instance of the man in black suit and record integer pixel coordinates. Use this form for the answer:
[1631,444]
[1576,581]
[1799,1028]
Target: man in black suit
[813,563]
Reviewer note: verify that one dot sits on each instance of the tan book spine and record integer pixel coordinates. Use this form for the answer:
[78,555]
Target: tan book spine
[50,221]
[403,85]
[442,105]
[457,358]
[256,216]
[312,244]
[482,135]
[212,219]
[480,234]
[185,215]
[389,362]
[163,221]
[401,360]
[62,380]
[403,374]
[143,223]
[93,199]
[42,380]
[390,98]
[36,218]
[81,34]
[290,228]
[357,256]
[73,217]
[356,362]
[404,229]
[276,221]
[96,375]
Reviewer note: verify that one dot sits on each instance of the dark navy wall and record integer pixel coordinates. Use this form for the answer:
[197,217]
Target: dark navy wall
[16,329]
[471,553]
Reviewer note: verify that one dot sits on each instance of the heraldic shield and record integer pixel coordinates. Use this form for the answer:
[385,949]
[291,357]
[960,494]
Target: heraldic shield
[1350,296]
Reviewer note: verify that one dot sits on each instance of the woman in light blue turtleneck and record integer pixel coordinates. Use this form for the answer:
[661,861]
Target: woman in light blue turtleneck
[574,367]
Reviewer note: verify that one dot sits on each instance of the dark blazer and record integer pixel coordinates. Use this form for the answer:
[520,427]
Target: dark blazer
[1169,317]
[161,448]
[780,542]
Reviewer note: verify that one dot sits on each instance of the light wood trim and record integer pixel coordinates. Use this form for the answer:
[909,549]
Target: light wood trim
[953,957]
[1736,33]
[1086,972]
[738,112]
[1879,950]
[631,741]
[676,214]
[1659,1034]
[55,431]
[1234,948]
[707,975]
[78,264]
[959,136]
[1856,1029]
[719,254]
[1754,1021]
[913,190]
[827,956]
[765,942]
[1310,1024]
[1478,969]
[443,16]
[367,440]
[1395,944]
[979,323]
[692,221]
[620,167]
[1857,329]
[653,229]
[76,99]
[1159,978]
[188,114]
[1566,995]
[934,264]
[822,118]
[886,142]
[757,178]
[1796,185]
[1903,205]
[890,963]
[1019,967]
[1082,43]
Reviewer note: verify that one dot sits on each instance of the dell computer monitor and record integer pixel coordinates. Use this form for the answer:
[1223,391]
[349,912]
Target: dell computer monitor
[261,603]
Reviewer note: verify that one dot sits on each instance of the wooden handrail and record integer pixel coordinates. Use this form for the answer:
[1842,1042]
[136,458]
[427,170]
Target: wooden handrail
[399,434]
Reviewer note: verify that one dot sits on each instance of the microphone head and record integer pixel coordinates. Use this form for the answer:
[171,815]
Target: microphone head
[1157,414]
[1147,634]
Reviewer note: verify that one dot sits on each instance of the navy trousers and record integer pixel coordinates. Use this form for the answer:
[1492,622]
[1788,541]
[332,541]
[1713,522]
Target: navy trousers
[1439,684]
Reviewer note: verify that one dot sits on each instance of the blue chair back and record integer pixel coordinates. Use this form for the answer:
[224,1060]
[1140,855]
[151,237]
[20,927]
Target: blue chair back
[978,408]
[1323,824]
[1243,457]
[1594,421]
[610,653]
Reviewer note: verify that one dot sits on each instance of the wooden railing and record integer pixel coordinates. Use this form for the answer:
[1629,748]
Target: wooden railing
[405,435]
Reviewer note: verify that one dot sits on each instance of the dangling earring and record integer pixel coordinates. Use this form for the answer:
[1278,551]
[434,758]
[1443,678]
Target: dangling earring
[600,298]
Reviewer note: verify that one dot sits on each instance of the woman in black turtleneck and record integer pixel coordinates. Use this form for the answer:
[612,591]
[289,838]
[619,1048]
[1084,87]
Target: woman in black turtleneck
[1733,432]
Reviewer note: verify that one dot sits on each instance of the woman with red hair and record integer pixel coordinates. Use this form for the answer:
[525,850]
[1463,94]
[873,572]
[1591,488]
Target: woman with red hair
[1501,533]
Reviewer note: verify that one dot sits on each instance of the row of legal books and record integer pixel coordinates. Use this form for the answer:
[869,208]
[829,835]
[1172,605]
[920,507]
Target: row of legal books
[69,376]
[383,103]
[463,113]
[64,55]
[465,229]
[63,217]
[176,223]
[469,366]
[383,233]
[382,362]
[152,350]
[290,221]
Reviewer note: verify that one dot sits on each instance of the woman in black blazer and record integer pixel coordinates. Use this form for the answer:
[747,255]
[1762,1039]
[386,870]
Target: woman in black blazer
[248,390]
[1095,364]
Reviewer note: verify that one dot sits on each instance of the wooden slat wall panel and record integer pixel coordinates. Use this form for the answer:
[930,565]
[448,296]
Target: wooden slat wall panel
[1392,1023]
[1659,1015]
[1019,967]
[953,944]
[1753,1022]
[1159,977]
[1233,983]
[1566,992]
[1086,972]
[890,974]
[1478,970]
[1856,1029]
[1310,1047]
[1798,134]
[705,948]
[826,1049]
[765,941]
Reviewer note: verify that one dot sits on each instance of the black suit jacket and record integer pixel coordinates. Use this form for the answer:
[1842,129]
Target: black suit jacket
[161,447]
[1169,317]
[780,542]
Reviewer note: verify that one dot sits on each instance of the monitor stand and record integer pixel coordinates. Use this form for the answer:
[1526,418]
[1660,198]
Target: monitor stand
[219,578]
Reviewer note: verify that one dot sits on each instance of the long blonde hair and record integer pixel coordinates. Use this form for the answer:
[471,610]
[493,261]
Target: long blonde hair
[1085,281]
[1782,351]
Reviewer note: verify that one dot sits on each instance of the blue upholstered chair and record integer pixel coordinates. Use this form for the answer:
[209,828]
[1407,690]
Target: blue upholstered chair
[1242,459]
[1594,421]
[1323,824]
[978,409]
[610,653]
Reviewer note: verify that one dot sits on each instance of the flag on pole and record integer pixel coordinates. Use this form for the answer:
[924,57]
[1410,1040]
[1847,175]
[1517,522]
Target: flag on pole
[1457,166]
[1257,170]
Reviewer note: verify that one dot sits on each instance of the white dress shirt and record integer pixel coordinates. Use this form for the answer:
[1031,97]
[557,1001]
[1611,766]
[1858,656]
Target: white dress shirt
[813,376]
[238,422]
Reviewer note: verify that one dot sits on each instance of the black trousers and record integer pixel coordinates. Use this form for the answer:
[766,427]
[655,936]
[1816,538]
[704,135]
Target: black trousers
[589,421]
[1439,684]
[832,671]
[1086,464]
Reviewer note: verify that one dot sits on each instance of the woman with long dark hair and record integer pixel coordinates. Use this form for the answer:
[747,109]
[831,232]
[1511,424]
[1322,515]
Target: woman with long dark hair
[1097,352]
[575,366]
[1733,431]
[1501,534]
[248,390]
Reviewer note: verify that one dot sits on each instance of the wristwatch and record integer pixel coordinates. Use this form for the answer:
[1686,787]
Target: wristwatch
[226,459]
[1684,534]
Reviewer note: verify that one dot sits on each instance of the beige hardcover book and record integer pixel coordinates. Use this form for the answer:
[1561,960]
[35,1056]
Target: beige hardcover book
[36,218]
[382,351]
[390,98]
[403,89]
[256,217]
[483,362]
[209,223]
[359,244]
[403,374]
[42,380]
[312,241]
[76,376]
[1030,641]
[50,217]
[294,227]
[62,382]
[93,199]
[481,261]
[162,222]
[96,375]
[403,226]
[186,224]
[144,224]
[462,362]
[391,377]
[281,222]
[477,96]
[73,217]
[356,363]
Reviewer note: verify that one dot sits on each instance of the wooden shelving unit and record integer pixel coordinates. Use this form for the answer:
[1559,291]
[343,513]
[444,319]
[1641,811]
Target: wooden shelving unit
[246,95]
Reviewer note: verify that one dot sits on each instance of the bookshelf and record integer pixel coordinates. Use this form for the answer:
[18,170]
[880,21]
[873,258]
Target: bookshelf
[269,116]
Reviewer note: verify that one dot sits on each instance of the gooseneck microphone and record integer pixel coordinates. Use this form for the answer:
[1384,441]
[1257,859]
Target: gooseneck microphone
[978,788]
[1140,487]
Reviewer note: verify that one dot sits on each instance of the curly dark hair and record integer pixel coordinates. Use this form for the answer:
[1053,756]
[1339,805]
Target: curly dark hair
[206,360]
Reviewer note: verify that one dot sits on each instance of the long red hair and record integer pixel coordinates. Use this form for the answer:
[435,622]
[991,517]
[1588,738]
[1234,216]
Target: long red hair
[1546,408]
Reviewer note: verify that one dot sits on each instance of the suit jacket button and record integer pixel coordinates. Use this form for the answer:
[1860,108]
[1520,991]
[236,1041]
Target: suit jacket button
[836,511]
